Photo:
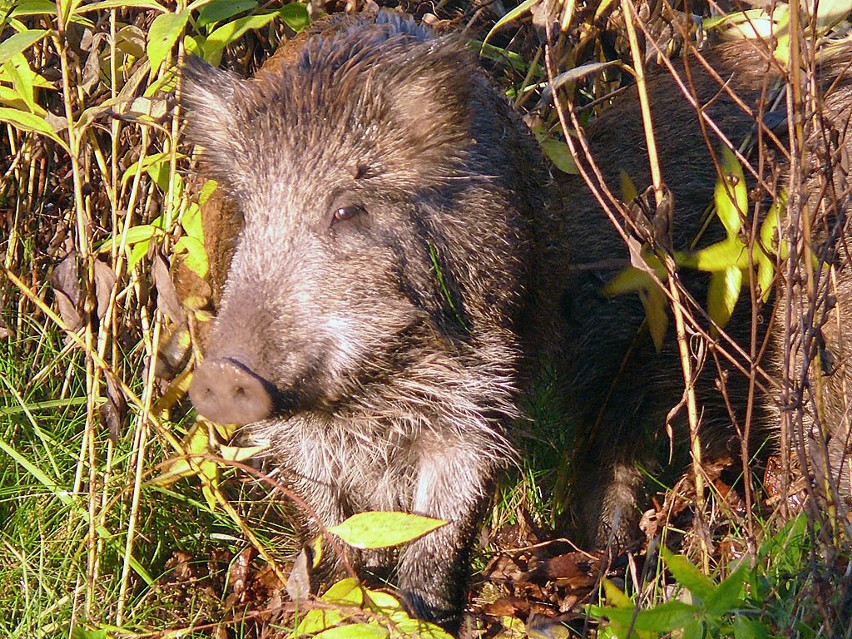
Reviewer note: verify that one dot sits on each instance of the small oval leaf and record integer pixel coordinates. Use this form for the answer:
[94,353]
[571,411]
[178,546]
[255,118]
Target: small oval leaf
[723,292]
[384,529]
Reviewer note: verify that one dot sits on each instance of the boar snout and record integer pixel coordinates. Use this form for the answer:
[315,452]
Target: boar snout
[226,391]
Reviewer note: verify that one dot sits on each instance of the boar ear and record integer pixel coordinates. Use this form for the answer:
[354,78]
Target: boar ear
[208,98]
[436,99]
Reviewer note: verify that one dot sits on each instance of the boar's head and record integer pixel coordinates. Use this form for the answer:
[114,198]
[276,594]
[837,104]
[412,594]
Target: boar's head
[376,216]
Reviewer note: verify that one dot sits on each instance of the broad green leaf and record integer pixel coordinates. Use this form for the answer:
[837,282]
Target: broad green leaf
[192,223]
[718,257]
[162,36]
[194,255]
[664,617]
[345,591]
[206,191]
[745,628]
[655,304]
[225,431]
[421,629]
[355,631]
[383,600]
[317,620]
[557,152]
[121,4]
[20,42]
[723,293]
[615,596]
[384,529]
[241,453]
[765,274]
[17,71]
[136,254]
[627,280]
[728,595]
[30,122]
[230,31]
[295,15]
[147,162]
[770,231]
[34,8]
[219,10]
[160,172]
[730,195]
[695,629]
[628,189]
[134,235]
[688,575]
[514,14]
[829,12]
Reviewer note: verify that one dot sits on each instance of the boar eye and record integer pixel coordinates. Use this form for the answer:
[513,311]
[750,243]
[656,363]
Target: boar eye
[344,213]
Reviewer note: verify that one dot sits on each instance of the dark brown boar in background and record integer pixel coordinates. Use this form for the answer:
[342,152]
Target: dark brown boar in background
[621,390]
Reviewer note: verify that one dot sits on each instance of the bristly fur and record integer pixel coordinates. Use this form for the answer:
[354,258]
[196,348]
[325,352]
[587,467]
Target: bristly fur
[390,340]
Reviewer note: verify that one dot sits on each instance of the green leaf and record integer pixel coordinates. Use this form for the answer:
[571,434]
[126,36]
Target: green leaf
[745,628]
[17,70]
[295,15]
[627,280]
[765,274]
[147,162]
[219,10]
[615,595]
[418,628]
[194,255]
[241,453]
[718,257]
[192,222]
[628,189]
[384,529]
[723,293]
[728,594]
[730,195]
[20,42]
[655,304]
[207,191]
[664,617]
[514,14]
[355,631]
[695,629]
[30,122]
[121,4]
[317,620]
[162,36]
[688,575]
[558,152]
[134,235]
[346,591]
[230,31]
[34,8]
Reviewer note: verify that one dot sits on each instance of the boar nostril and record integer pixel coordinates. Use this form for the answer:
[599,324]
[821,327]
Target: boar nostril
[228,392]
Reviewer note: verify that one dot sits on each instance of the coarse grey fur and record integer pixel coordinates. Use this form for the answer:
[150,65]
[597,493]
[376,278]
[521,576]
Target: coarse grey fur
[405,265]
[383,348]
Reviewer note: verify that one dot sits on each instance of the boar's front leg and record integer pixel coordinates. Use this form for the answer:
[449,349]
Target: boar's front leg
[452,483]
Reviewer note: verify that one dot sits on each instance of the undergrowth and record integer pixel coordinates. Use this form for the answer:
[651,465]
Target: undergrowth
[120,516]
